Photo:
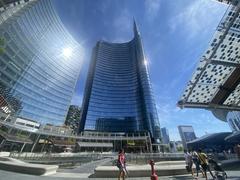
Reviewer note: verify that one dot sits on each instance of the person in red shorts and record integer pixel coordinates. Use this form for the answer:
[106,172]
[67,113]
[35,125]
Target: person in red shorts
[121,164]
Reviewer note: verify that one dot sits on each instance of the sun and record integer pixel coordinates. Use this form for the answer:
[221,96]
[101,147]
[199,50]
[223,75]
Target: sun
[67,52]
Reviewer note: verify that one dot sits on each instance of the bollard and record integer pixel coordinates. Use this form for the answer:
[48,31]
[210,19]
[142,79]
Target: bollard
[154,175]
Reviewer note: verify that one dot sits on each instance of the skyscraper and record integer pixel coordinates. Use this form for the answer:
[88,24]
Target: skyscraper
[118,94]
[233,119]
[73,117]
[37,66]
[234,2]
[187,134]
[165,136]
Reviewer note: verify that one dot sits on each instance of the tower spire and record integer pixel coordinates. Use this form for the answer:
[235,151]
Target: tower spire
[135,28]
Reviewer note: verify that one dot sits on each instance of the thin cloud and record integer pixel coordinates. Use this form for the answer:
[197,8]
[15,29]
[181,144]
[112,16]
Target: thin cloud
[171,116]
[122,25]
[105,5]
[166,108]
[77,99]
[123,22]
[196,16]
[152,8]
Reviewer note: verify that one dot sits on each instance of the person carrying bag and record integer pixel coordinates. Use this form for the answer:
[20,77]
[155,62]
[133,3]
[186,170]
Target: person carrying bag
[121,164]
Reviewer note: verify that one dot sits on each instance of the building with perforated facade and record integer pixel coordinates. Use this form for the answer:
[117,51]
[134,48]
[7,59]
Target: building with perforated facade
[215,84]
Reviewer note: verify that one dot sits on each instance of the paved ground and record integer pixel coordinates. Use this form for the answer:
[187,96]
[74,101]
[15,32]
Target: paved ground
[6,175]
[87,168]
[83,171]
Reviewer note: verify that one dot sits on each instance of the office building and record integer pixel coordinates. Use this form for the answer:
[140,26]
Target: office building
[6,4]
[41,60]
[233,119]
[118,94]
[165,135]
[173,146]
[234,2]
[10,7]
[73,117]
[187,134]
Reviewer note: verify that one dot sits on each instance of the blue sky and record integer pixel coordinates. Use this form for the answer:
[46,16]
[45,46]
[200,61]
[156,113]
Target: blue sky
[174,32]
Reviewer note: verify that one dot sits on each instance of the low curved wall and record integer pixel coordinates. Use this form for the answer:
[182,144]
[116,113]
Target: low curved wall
[140,171]
[9,164]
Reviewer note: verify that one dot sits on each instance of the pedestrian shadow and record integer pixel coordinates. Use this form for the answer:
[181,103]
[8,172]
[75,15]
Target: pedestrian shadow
[233,177]
[180,177]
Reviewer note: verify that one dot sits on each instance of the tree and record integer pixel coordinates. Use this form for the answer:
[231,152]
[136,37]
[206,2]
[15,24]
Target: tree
[2,42]
[180,149]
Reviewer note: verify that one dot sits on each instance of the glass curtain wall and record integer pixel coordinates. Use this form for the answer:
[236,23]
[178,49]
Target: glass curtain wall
[118,95]
[33,65]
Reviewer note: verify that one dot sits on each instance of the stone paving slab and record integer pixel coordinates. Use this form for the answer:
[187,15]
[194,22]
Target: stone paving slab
[87,167]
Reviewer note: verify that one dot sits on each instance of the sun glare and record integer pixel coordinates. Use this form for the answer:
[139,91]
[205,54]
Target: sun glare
[67,52]
[145,62]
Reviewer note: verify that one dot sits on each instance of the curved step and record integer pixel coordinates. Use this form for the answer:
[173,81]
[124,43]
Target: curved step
[10,164]
[140,171]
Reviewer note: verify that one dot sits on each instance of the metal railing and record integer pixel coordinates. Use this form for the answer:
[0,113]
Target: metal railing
[61,158]
[57,158]
[143,158]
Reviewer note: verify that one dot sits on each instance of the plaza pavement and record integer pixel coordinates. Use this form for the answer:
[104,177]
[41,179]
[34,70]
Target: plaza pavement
[6,175]
[85,170]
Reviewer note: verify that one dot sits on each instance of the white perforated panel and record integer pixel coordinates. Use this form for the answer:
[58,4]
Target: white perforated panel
[234,98]
[223,49]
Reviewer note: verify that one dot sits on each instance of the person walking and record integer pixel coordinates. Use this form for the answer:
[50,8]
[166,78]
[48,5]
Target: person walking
[196,162]
[188,161]
[204,163]
[121,164]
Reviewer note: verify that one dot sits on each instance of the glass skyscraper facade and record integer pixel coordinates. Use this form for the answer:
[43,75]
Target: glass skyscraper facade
[33,65]
[187,134]
[233,119]
[118,94]
[165,136]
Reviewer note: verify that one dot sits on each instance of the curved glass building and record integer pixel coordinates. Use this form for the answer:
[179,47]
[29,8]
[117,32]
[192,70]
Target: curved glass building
[233,119]
[118,95]
[34,65]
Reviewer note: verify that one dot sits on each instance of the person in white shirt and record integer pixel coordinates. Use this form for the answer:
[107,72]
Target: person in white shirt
[189,161]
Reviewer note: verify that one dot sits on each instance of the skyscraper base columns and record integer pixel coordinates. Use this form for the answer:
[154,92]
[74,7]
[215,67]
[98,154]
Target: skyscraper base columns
[36,142]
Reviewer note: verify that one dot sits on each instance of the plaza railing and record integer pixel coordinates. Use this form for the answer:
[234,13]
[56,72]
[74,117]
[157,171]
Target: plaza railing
[143,158]
[57,158]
